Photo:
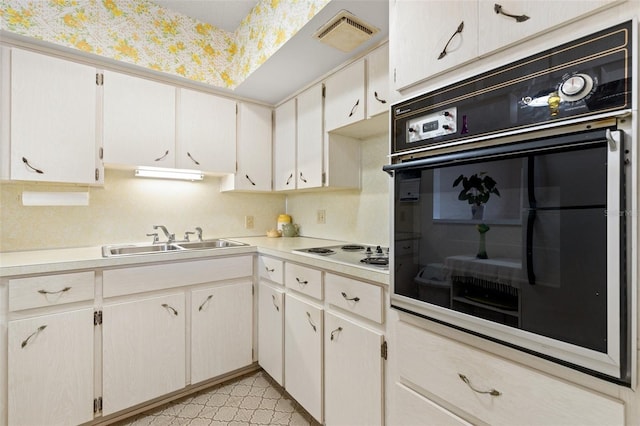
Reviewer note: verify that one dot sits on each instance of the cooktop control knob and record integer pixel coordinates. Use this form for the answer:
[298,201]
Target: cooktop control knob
[576,87]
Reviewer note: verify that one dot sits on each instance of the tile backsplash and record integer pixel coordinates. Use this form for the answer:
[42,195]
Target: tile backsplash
[126,208]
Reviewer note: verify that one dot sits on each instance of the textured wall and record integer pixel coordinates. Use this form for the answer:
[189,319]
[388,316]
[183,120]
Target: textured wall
[142,33]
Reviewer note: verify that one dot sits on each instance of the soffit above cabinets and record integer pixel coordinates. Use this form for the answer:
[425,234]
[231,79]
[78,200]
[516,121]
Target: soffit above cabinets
[301,60]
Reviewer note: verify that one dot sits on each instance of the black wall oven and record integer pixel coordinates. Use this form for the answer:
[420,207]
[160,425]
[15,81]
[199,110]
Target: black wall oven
[513,189]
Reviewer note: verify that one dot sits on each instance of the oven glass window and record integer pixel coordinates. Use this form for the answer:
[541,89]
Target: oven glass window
[521,241]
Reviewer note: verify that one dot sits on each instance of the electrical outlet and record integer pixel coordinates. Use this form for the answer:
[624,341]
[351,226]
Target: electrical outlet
[248,222]
[322,216]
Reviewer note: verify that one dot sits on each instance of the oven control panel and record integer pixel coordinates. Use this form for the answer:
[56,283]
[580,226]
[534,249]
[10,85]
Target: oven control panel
[432,125]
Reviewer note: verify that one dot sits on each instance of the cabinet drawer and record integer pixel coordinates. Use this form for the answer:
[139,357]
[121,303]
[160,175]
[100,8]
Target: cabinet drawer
[436,364]
[271,269]
[411,408]
[117,282]
[49,290]
[304,280]
[357,297]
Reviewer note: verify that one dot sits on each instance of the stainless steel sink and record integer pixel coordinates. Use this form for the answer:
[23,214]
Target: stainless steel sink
[209,244]
[140,249]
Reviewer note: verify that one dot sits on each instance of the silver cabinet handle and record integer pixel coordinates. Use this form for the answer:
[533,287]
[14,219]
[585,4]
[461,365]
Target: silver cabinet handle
[519,18]
[302,282]
[458,31]
[311,322]
[192,159]
[162,157]
[201,307]
[26,162]
[273,298]
[302,178]
[54,292]
[355,299]
[289,179]
[491,392]
[334,332]
[170,308]
[353,109]
[269,270]
[25,342]
[250,181]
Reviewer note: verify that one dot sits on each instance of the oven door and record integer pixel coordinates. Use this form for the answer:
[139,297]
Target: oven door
[538,262]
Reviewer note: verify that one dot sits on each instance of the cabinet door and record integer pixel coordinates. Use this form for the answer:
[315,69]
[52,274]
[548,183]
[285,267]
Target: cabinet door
[143,350]
[378,87]
[270,331]
[353,373]
[139,121]
[253,150]
[284,147]
[221,330]
[303,354]
[50,369]
[345,96]
[53,119]
[420,31]
[411,408]
[498,30]
[310,137]
[206,127]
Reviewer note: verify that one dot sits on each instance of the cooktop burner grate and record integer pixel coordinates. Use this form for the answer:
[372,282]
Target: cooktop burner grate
[352,247]
[320,250]
[381,261]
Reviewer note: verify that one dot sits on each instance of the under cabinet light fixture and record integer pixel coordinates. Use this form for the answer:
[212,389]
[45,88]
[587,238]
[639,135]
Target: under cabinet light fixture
[162,173]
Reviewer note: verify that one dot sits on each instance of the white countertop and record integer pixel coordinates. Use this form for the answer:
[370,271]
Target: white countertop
[66,259]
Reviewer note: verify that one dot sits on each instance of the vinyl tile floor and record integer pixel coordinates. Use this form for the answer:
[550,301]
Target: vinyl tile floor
[253,399]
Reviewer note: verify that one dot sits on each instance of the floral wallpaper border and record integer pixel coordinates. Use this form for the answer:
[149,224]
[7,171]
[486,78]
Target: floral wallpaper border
[142,33]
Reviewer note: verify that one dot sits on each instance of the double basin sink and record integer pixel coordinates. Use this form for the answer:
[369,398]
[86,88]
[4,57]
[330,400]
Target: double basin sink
[136,249]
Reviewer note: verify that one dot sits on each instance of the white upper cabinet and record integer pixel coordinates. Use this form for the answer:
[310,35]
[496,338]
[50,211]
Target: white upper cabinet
[529,17]
[310,138]
[426,38]
[345,96]
[378,88]
[206,126]
[253,171]
[139,121]
[284,147]
[52,120]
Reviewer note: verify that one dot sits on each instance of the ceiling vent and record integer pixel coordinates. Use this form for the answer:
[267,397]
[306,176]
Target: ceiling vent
[345,32]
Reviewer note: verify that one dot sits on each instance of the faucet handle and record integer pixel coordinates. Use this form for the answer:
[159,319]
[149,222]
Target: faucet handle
[186,235]
[199,231]
[155,237]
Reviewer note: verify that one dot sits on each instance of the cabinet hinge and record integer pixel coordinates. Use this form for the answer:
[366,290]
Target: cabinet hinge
[324,91]
[101,153]
[253,289]
[394,75]
[324,178]
[97,405]
[97,174]
[97,317]
[383,350]
[99,79]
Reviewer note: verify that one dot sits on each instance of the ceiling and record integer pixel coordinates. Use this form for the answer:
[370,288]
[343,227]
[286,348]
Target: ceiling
[302,59]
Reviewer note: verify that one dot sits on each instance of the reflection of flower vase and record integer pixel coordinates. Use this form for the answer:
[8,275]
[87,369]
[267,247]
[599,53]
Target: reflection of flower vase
[482,249]
[477,211]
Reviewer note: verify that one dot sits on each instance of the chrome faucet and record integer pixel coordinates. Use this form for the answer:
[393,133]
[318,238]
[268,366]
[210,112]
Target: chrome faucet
[170,237]
[199,231]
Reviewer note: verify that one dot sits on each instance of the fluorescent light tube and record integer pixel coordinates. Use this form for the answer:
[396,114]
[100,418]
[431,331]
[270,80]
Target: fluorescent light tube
[162,173]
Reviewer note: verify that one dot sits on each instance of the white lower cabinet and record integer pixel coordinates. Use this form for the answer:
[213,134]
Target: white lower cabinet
[271,330]
[483,388]
[50,369]
[303,353]
[221,329]
[353,373]
[143,350]
[411,408]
